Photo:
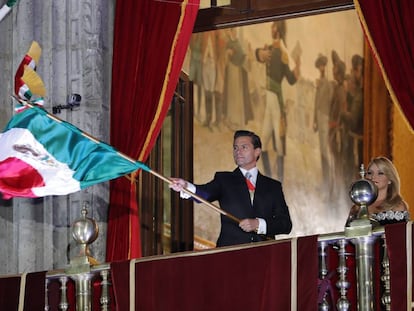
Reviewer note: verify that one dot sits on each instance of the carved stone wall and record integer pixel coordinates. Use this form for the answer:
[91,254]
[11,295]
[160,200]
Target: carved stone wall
[76,41]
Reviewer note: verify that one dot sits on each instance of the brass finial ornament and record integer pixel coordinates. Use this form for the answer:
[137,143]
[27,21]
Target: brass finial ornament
[363,192]
[84,231]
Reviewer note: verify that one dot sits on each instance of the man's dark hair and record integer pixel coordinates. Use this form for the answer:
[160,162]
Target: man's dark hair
[254,138]
[357,60]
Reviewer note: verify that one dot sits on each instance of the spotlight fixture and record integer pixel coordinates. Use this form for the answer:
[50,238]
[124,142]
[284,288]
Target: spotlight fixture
[72,103]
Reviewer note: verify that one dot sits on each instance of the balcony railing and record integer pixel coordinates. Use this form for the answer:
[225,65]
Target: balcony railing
[352,271]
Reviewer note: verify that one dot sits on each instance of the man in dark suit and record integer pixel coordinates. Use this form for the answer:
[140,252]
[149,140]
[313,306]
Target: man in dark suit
[258,201]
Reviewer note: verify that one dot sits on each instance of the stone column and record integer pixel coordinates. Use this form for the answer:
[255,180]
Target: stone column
[76,41]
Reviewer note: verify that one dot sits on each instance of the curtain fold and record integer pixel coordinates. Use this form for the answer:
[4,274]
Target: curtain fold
[388,27]
[150,42]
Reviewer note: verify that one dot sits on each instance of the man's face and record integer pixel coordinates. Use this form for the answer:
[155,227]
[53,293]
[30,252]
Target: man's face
[357,72]
[275,33]
[244,153]
[337,74]
[321,68]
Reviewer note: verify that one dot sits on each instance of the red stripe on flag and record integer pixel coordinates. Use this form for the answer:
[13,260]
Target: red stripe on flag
[17,178]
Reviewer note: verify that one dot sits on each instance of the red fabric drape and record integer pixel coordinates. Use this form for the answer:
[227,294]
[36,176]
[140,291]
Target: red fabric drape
[396,239]
[389,26]
[150,42]
[307,280]
[9,292]
[34,292]
[252,277]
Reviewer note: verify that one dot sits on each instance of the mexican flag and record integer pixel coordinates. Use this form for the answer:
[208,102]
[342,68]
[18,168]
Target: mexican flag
[41,155]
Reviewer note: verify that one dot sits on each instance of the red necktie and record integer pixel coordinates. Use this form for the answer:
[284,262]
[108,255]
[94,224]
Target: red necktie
[249,182]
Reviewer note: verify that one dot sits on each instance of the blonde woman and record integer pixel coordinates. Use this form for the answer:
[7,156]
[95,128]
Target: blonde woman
[389,207]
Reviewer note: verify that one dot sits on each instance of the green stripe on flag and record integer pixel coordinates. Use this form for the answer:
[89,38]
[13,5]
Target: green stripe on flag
[11,3]
[93,162]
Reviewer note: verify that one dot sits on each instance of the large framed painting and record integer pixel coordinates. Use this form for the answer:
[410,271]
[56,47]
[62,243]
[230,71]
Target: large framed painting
[297,83]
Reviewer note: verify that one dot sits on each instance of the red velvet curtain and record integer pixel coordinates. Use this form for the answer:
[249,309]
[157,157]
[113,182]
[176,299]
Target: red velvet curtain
[150,42]
[389,25]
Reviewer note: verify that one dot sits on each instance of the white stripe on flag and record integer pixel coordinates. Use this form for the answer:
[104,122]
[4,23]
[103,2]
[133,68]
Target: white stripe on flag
[21,144]
[3,11]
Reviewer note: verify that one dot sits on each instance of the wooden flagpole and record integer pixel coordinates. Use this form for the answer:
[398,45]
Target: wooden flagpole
[197,197]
